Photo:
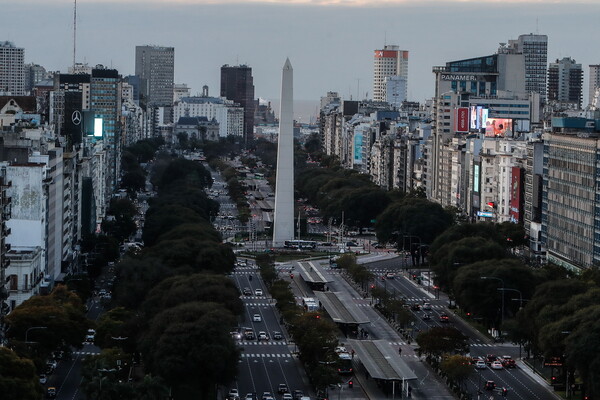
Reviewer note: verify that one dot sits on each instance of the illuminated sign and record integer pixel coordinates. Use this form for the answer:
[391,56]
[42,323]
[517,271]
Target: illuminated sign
[97,127]
[485,214]
[476,178]
[358,144]
[462,120]
[498,127]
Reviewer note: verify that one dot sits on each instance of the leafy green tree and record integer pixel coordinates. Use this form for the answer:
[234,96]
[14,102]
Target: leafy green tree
[123,224]
[454,255]
[113,330]
[182,172]
[18,377]
[438,341]
[483,298]
[346,261]
[105,376]
[316,338]
[190,255]
[151,388]
[198,287]
[415,217]
[457,368]
[481,230]
[163,219]
[136,277]
[189,346]
[62,315]
[134,180]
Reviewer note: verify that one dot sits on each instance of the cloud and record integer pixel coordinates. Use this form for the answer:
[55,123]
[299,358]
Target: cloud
[331,3]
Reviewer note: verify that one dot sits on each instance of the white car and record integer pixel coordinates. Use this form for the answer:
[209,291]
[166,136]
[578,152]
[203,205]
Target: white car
[496,365]
[427,306]
[287,396]
[480,364]
[43,379]
[257,318]
[258,292]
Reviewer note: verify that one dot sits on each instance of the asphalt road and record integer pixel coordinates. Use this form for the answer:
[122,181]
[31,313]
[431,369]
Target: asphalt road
[264,364]
[520,385]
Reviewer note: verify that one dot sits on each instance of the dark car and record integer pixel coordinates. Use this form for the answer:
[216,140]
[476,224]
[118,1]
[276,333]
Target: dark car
[282,388]
[51,392]
[247,292]
[426,317]
[490,385]
[508,362]
[444,318]
[297,394]
[490,358]
[416,307]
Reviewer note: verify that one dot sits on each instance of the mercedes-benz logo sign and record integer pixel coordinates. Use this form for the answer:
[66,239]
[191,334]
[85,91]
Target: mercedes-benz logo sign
[76,117]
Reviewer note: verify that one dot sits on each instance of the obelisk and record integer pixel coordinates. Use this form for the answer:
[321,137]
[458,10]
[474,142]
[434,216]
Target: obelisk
[283,227]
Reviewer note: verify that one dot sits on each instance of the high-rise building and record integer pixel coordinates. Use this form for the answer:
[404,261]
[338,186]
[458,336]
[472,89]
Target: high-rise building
[237,84]
[388,62]
[535,50]
[565,81]
[594,83]
[155,65]
[12,72]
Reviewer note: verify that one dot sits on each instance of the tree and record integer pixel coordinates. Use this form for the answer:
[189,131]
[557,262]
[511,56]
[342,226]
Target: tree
[113,330]
[442,340]
[134,180]
[197,287]
[135,277]
[190,255]
[18,377]
[457,368]
[316,338]
[189,346]
[415,217]
[105,376]
[62,315]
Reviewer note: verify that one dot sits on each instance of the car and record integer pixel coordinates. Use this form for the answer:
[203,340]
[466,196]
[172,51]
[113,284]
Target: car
[351,244]
[247,292]
[496,365]
[444,318]
[51,392]
[89,338]
[297,394]
[490,358]
[416,307]
[282,388]
[277,335]
[508,362]
[236,334]
[426,317]
[249,335]
[257,318]
[340,349]
[258,292]
[233,394]
[480,364]
[379,246]
[489,385]
[263,335]
[427,306]
[52,363]
[287,396]
[390,275]
[267,396]
[43,379]
[250,396]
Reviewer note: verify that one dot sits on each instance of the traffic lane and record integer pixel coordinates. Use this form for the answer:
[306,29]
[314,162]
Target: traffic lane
[68,380]
[518,384]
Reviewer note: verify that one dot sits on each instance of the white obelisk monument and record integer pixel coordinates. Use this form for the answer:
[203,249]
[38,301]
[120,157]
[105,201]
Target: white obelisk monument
[283,227]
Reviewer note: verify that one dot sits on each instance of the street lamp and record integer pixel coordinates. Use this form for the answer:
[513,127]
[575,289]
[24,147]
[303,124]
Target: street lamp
[502,309]
[515,290]
[33,327]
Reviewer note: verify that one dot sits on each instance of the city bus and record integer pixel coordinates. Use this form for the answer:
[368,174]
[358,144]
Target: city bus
[300,244]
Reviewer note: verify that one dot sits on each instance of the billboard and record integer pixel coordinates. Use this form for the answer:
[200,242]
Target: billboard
[498,127]
[476,178]
[358,143]
[478,118]
[516,195]
[461,120]
[97,127]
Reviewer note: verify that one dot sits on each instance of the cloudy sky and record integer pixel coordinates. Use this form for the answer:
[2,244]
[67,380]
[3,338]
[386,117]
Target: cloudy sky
[329,42]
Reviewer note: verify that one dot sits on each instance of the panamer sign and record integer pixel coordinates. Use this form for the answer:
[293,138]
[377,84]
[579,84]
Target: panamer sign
[459,77]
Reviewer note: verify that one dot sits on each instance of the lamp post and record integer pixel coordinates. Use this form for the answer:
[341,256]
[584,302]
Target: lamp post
[33,327]
[502,289]
[515,290]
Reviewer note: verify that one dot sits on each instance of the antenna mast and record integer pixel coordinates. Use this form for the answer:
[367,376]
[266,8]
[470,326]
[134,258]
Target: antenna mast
[74,32]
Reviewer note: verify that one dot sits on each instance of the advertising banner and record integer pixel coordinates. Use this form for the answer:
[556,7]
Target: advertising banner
[516,189]
[462,120]
[498,127]
[358,143]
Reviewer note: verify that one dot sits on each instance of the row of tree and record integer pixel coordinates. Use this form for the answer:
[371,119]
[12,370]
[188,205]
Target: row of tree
[173,306]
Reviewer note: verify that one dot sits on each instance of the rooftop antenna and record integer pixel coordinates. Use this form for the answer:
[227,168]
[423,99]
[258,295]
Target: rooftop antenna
[537,27]
[74,31]
[384,38]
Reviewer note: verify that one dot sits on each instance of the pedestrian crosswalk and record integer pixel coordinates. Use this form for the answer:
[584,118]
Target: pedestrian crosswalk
[261,342]
[401,343]
[265,355]
[259,304]
[481,345]
[86,353]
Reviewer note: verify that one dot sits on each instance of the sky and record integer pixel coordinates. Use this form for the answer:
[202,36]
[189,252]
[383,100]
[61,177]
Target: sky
[330,43]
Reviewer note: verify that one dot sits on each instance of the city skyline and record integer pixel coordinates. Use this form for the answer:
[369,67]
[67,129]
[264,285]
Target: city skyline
[332,42]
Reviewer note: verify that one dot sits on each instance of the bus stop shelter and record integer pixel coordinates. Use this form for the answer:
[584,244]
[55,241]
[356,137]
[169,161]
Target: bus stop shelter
[342,310]
[313,275]
[382,362]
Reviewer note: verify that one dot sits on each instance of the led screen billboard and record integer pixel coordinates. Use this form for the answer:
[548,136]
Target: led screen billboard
[358,144]
[98,127]
[462,120]
[498,127]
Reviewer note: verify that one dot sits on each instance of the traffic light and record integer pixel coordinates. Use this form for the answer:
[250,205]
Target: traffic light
[350,383]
